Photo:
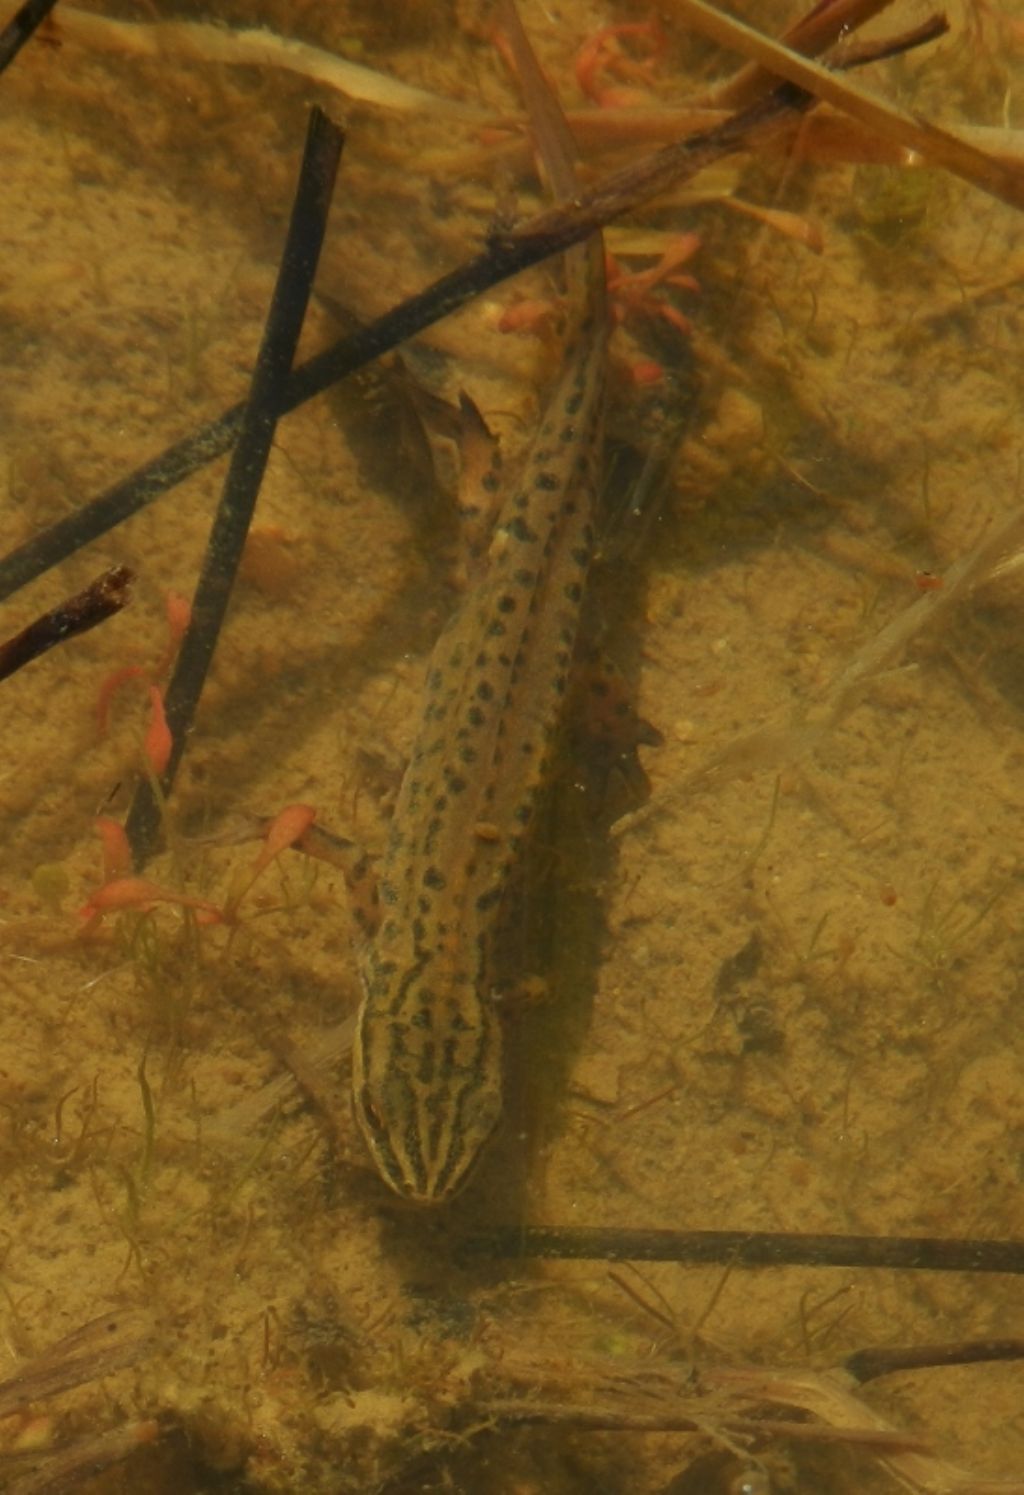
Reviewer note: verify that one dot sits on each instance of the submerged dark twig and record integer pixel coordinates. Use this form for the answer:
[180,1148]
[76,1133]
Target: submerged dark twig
[101,599]
[747,1248]
[523,1413]
[258,423]
[889,1360]
[814,33]
[20,27]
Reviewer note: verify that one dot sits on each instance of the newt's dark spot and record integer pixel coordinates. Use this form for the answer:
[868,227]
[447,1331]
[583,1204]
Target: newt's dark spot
[434,878]
[521,531]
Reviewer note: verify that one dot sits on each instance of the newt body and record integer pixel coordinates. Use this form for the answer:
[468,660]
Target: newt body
[427,1062]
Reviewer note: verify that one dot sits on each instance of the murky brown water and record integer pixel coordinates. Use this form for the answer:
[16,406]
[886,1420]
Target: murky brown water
[781,1000]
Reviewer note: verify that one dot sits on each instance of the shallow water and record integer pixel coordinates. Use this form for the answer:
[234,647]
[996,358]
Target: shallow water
[782,999]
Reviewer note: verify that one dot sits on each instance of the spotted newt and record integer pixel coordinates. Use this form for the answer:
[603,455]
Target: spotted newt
[427,1059]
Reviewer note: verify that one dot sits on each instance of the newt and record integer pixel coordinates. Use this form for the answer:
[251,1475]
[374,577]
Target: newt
[427,1058]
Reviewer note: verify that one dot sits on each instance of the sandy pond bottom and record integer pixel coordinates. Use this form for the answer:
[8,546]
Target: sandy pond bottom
[782,999]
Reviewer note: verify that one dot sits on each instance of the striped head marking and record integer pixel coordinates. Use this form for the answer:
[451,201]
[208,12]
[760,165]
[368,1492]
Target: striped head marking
[426,1083]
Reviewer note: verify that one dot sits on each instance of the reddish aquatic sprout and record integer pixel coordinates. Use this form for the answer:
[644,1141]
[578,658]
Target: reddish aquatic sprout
[140,894]
[122,893]
[285,830]
[108,689]
[287,827]
[179,615]
[529,315]
[601,53]
[632,293]
[117,853]
[158,742]
[634,287]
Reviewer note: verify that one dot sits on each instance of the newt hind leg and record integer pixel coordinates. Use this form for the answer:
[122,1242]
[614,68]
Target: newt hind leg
[605,733]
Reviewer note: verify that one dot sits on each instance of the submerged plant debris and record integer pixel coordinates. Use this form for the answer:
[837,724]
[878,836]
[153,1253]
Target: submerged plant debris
[782,996]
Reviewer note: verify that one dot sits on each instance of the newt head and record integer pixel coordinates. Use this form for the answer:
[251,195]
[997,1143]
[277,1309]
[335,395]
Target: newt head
[427,1080]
